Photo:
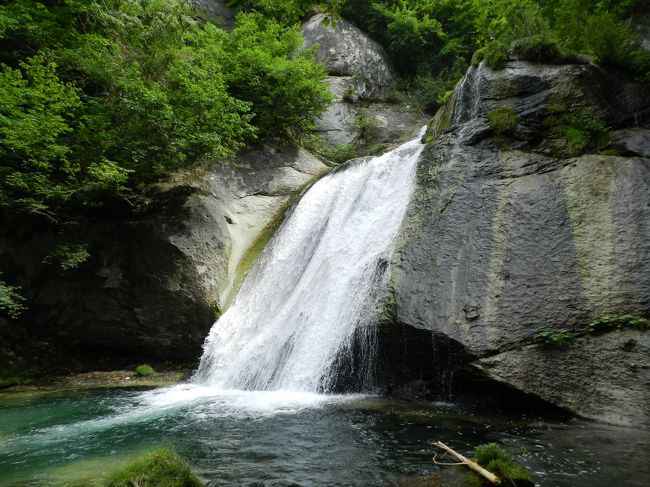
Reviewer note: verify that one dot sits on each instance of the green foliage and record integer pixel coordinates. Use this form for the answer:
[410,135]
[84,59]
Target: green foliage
[502,120]
[426,37]
[11,301]
[609,323]
[536,48]
[98,98]
[287,12]
[555,338]
[430,92]
[160,468]
[495,55]
[68,256]
[267,69]
[365,123]
[322,148]
[495,460]
[581,129]
[145,370]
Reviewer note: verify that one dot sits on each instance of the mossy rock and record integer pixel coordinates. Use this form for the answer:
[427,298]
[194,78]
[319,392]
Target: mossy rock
[494,53]
[537,48]
[502,120]
[160,468]
[495,460]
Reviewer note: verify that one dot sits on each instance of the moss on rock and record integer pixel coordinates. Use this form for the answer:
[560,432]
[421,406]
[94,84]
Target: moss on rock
[160,468]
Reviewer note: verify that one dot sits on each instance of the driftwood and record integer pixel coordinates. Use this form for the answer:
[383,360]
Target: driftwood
[470,464]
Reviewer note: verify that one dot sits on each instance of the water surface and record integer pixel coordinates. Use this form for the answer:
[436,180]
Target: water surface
[303,439]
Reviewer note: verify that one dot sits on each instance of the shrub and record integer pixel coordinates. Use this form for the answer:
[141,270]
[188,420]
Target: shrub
[267,68]
[536,48]
[365,124]
[161,468]
[145,370]
[286,11]
[502,120]
[495,54]
[68,256]
[494,459]
[581,129]
[11,301]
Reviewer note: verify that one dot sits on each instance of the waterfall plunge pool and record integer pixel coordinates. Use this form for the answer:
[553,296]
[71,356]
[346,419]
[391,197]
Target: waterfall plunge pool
[282,438]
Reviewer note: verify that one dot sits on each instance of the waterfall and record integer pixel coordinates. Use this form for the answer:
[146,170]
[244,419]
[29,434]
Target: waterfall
[306,308]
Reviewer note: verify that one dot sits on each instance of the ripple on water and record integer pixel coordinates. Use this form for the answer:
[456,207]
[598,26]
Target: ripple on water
[288,438]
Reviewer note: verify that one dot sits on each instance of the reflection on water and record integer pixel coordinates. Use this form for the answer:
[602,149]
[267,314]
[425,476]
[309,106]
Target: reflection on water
[286,438]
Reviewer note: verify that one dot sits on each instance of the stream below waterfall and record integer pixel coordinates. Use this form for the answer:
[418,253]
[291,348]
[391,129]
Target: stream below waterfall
[252,438]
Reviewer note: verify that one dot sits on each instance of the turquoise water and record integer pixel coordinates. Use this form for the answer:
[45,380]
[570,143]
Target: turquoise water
[293,439]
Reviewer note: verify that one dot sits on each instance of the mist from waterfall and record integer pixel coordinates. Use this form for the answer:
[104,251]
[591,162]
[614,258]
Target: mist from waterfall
[305,312]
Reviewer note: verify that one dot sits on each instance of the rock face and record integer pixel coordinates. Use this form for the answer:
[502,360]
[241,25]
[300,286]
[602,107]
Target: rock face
[505,239]
[157,278]
[600,377]
[360,77]
[216,8]
[346,51]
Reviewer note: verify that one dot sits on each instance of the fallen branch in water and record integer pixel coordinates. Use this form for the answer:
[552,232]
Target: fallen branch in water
[470,464]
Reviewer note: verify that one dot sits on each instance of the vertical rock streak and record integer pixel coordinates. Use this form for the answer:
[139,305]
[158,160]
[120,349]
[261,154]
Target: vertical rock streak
[313,293]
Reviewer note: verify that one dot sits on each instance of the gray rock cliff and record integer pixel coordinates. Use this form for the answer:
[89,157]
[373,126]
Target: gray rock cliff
[508,238]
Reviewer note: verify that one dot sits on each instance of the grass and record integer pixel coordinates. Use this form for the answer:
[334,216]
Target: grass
[145,370]
[495,55]
[160,468]
[536,48]
[494,459]
[581,128]
[502,120]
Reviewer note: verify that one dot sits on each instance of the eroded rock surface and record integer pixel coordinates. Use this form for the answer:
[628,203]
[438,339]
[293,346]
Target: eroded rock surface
[508,238]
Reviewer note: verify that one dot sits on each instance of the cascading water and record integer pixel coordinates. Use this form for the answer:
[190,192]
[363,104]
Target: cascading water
[313,293]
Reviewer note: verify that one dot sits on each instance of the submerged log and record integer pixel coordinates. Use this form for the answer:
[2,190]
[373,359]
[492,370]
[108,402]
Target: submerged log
[470,464]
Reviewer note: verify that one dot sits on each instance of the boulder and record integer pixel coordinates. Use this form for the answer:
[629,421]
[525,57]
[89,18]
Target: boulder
[217,10]
[344,50]
[360,73]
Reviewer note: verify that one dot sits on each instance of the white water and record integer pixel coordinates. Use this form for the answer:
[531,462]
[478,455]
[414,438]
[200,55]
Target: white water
[469,87]
[313,291]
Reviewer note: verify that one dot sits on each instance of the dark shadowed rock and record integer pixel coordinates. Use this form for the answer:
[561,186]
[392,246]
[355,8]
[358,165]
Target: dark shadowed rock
[217,11]
[157,277]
